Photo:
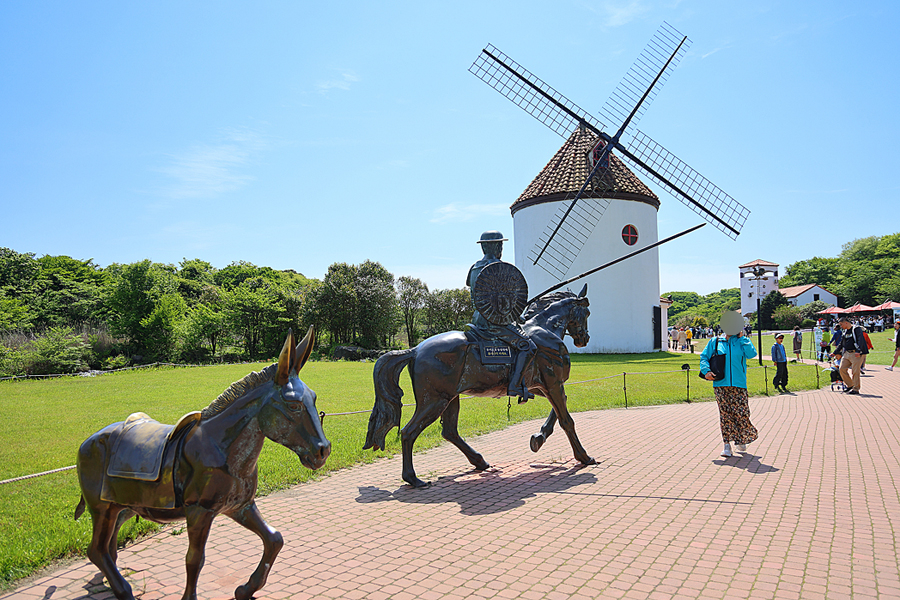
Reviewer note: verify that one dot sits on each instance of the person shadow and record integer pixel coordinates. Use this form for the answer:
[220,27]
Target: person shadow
[746,461]
[487,492]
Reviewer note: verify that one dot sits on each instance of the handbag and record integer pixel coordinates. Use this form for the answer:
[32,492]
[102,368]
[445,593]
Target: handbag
[716,364]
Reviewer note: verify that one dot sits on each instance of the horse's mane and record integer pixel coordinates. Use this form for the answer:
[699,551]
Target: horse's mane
[543,302]
[238,389]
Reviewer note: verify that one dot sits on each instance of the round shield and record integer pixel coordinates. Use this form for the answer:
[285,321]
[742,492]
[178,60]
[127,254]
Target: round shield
[500,293]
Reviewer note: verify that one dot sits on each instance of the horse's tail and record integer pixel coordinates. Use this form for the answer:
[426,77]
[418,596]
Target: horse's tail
[388,395]
[79,510]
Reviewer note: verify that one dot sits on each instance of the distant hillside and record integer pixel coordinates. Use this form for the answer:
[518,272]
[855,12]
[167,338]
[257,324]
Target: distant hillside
[688,307]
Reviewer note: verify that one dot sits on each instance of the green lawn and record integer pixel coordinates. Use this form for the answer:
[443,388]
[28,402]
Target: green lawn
[44,422]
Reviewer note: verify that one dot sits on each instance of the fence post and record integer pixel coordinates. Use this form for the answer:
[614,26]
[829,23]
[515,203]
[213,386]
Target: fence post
[766,377]
[625,390]
[687,370]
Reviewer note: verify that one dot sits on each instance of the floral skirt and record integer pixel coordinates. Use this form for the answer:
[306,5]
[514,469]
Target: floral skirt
[734,415]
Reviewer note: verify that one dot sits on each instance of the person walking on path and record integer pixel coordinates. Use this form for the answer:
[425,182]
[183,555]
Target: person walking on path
[896,340]
[731,388]
[779,357]
[798,342]
[854,346]
[825,348]
[869,345]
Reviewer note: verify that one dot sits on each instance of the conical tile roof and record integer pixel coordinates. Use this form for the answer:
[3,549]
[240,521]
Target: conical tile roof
[564,175]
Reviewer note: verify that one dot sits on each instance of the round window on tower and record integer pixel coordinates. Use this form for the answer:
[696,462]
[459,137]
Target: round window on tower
[630,235]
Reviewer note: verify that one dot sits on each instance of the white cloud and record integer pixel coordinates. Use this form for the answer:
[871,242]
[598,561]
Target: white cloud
[618,13]
[206,170]
[343,82]
[461,213]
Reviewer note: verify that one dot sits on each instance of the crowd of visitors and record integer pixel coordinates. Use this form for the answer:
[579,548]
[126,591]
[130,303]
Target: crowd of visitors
[680,338]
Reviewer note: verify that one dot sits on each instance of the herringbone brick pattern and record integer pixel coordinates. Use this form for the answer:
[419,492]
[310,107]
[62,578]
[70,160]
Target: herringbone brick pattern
[811,511]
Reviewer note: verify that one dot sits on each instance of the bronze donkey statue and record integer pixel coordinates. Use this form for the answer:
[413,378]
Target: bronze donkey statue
[203,466]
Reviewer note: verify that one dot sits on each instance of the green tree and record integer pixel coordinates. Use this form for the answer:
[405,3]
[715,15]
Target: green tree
[18,273]
[825,272]
[163,327]
[808,311]
[135,292]
[447,310]
[786,316]
[239,271]
[411,293]
[768,306]
[339,302]
[254,313]
[194,276]
[14,314]
[377,309]
[70,291]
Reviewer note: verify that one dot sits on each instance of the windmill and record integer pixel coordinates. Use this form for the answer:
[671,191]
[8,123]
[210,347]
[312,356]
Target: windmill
[566,232]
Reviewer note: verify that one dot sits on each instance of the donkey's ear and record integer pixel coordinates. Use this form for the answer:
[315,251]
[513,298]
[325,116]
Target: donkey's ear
[285,360]
[583,292]
[304,349]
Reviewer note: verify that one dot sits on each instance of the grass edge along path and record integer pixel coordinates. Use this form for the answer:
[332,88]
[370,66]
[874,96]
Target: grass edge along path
[44,422]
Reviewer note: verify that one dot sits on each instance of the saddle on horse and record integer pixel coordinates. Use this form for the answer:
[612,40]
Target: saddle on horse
[137,454]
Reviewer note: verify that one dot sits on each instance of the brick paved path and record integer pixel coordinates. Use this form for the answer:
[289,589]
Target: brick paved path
[811,511]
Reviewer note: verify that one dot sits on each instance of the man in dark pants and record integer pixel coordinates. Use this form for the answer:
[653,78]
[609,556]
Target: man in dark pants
[855,349]
[779,357]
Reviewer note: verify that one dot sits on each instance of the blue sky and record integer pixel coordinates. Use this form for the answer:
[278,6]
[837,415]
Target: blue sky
[297,134]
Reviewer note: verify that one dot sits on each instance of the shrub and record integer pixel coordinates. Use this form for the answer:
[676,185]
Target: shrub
[786,317]
[59,350]
[114,362]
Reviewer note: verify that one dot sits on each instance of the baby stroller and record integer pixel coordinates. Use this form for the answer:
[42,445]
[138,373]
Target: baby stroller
[835,374]
[836,379]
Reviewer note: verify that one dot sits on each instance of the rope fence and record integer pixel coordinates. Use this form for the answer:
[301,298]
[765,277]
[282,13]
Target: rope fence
[686,368]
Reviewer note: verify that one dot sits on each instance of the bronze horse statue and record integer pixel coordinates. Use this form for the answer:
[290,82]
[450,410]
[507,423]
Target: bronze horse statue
[447,365]
[202,467]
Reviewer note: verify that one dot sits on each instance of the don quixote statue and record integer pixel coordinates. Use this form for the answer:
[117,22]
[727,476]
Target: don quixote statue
[203,466]
[505,351]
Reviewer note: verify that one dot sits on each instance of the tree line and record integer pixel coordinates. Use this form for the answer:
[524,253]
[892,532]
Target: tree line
[867,271]
[59,314]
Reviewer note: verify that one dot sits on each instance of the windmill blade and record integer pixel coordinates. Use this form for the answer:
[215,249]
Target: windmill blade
[577,216]
[530,93]
[662,54]
[562,250]
[694,190]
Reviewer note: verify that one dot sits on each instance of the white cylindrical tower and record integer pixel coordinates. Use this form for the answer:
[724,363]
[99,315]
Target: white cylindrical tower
[752,287]
[625,305]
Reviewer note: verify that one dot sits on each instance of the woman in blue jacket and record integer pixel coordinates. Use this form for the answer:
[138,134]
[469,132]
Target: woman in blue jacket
[731,389]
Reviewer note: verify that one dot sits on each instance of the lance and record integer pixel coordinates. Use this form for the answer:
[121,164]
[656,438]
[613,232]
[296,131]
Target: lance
[618,260]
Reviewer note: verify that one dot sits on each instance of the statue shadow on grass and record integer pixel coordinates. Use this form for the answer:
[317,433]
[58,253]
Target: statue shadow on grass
[487,492]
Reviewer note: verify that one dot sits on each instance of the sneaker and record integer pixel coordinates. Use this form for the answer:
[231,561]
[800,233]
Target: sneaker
[726,452]
[889,368]
[740,447]
[785,390]
[853,392]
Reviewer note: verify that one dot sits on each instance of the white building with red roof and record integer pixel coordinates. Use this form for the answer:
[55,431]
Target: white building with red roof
[799,295]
